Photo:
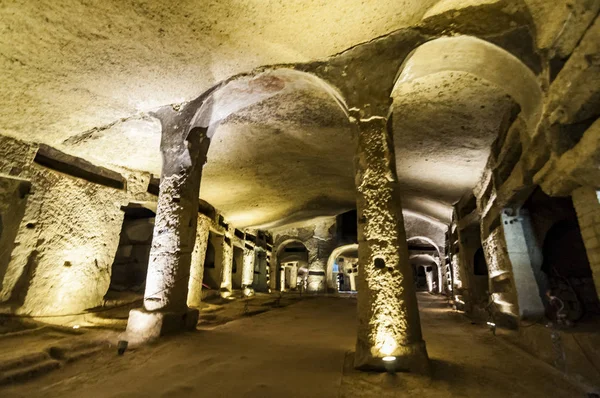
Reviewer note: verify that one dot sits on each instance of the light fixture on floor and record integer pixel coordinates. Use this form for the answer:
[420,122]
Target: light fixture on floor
[75,326]
[389,363]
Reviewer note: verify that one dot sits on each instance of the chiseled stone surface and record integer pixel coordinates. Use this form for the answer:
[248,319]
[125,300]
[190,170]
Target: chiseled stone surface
[197,263]
[66,242]
[388,318]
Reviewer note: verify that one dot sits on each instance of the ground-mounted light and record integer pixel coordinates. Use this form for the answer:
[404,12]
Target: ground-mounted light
[389,362]
[75,326]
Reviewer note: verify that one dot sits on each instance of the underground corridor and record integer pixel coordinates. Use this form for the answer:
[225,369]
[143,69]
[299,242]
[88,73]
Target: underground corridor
[300,198]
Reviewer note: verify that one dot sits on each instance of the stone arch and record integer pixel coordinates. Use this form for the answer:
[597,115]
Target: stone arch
[276,276]
[428,241]
[243,91]
[481,58]
[296,112]
[435,261]
[478,90]
[331,283]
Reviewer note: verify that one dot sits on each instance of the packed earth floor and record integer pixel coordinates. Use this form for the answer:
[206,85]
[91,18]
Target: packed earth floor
[305,350]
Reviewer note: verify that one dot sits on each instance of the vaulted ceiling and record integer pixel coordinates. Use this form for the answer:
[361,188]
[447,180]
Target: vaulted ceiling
[82,75]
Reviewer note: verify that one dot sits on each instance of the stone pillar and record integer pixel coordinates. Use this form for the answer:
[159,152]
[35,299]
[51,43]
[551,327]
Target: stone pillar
[429,275]
[587,205]
[388,316]
[165,299]
[248,271]
[352,281]
[281,278]
[294,277]
[226,259]
[526,260]
[197,268]
[441,278]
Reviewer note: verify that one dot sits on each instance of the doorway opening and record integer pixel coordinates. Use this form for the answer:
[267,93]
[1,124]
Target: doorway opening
[237,267]
[565,264]
[293,257]
[130,266]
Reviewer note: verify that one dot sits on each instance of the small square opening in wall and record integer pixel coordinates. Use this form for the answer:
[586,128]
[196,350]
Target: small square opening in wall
[379,263]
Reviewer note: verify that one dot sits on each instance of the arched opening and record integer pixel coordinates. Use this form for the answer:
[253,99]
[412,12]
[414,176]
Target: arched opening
[304,120]
[424,255]
[426,272]
[293,266]
[346,266]
[342,274]
[130,265]
[453,97]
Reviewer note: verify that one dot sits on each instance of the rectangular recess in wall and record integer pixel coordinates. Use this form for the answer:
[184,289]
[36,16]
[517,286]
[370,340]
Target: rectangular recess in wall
[153,186]
[251,238]
[249,247]
[77,167]
[227,240]
[240,234]
[320,273]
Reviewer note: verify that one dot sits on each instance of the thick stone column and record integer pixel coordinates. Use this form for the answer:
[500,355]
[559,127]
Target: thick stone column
[282,278]
[526,261]
[197,267]
[294,277]
[388,316]
[165,300]
[248,271]
[352,281]
[225,257]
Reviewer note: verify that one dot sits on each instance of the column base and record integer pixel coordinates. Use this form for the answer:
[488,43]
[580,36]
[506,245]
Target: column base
[144,326]
[409,358]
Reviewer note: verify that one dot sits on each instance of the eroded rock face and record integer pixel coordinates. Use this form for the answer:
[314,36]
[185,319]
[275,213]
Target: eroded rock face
[388,318]
[102,86]
[66,241]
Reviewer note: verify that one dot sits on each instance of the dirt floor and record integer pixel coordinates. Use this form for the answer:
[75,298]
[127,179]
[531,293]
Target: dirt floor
[304,350]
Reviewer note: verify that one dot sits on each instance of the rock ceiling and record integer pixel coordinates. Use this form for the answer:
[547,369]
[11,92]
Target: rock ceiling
[79,75]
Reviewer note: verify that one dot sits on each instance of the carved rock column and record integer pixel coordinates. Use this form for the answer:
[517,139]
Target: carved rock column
[165,308]
[388,317]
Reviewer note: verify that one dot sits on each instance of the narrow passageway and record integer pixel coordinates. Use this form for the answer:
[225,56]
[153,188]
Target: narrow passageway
[303,351]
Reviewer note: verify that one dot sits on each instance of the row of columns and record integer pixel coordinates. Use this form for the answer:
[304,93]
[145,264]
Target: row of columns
[388,317]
